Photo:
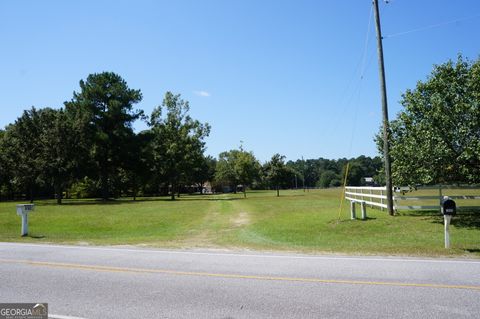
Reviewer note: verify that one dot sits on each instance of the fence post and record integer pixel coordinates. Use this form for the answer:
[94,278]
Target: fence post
[381,199]
[371,198]
[364,210]
[352,210]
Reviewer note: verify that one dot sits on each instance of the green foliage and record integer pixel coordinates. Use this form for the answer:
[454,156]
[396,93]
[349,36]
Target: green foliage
[104,110]
[327,178]
[89,149]
[56,159]
[21,146]
[277,173]
[436,137]
[204,171]
[84,188]
[178,143]
[330,173]
[237,167]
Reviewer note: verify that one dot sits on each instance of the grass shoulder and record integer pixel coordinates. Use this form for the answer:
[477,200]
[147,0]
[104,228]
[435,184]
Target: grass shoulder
[298,221]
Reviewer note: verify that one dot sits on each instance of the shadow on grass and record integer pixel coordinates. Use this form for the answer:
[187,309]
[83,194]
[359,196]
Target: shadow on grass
[337,221]
[80,202]
[474,251]
[87,202]
[36,236]
[464,219]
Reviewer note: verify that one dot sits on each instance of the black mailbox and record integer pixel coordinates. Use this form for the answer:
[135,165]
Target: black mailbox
[449,207]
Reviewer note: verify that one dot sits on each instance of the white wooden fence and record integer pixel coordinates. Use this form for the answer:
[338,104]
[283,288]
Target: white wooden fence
[376,197]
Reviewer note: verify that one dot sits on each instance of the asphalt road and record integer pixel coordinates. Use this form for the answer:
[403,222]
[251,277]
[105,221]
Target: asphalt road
[110,282]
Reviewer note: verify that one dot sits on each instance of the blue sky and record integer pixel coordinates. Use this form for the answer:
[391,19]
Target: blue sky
[281,76]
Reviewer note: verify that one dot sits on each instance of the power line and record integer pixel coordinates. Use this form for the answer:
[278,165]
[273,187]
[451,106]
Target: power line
[352,88]
[432,26]
[361,67]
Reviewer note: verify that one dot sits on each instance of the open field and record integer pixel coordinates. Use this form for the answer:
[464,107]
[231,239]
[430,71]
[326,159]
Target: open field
[296,221]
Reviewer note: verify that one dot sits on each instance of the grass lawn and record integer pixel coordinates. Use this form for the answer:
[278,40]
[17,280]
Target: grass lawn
[296,221]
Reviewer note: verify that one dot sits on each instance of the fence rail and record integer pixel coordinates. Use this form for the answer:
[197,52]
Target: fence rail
[376,197]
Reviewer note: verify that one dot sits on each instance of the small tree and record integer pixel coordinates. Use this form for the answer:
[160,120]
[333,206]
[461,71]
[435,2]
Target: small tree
[237,167]
[276,172]
[178,142]
[247,169]
[225,172]
[203,171]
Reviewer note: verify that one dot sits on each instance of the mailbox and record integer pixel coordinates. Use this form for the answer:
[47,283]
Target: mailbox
[449,207]
[23,210]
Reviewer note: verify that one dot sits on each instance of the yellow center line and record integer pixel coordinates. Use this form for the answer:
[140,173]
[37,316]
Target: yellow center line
[234,276]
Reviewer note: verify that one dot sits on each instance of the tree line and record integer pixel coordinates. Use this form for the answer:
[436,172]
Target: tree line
[88,148]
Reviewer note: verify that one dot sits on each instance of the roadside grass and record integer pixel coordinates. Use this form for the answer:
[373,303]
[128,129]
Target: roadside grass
[296,221]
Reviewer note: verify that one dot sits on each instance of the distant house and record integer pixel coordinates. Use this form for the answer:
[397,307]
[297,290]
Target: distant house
[368,181]
[207,188]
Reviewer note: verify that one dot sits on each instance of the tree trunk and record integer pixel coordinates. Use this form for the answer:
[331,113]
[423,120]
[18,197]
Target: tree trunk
[58,194]
[172,197]
[11,193]
[104,186]
[31,194]
[244,192]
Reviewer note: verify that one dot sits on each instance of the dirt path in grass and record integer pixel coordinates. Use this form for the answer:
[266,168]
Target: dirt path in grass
[224,216]
[240,219]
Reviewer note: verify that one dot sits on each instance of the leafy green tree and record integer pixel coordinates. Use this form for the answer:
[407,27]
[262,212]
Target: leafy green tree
[238,167]
[204,171]
[22,148]
[277,173]
[247,168]
[326,178]
[178,140]
[355,174]
[138,163]
[56,159]
[103,112]
[436,137]
[6,166]
[225,170]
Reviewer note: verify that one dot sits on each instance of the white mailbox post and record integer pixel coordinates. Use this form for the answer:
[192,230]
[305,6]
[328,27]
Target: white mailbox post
[449,209]
[23,210]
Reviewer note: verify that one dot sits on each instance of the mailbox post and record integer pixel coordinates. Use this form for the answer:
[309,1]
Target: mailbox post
[23,210]
[449,209]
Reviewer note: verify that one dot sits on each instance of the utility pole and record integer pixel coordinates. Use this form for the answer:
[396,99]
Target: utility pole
[383,90]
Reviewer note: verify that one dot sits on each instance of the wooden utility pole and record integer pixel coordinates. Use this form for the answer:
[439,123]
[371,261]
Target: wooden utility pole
[383,90]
